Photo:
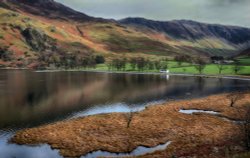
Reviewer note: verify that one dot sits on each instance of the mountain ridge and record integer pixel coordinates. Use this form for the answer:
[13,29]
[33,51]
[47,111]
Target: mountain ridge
[192,30]
[49,8]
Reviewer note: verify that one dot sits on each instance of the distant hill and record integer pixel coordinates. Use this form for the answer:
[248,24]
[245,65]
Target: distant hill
[34,32]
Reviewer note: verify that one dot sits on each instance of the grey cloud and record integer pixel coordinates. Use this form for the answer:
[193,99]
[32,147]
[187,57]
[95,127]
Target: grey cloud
[232,12]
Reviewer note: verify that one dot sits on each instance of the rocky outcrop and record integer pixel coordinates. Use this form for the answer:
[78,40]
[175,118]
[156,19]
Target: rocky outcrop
[38,40]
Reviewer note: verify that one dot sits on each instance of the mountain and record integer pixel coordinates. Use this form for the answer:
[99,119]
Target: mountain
[45,32]
[192,31]
[214,39]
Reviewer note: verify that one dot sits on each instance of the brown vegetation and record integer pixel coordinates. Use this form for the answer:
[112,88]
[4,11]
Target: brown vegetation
[197,135]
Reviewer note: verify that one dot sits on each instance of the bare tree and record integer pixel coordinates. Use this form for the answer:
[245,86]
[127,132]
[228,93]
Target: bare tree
[200,65]
[237,67]
[221,67]
[234,97]
[129,118]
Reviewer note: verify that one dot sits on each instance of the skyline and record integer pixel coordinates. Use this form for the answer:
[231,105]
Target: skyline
[227,12]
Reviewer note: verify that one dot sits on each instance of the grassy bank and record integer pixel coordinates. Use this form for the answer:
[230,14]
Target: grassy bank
[185,68]
[197,135]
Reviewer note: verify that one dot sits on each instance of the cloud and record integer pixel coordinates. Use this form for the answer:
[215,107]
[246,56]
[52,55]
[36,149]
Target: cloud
[232,12]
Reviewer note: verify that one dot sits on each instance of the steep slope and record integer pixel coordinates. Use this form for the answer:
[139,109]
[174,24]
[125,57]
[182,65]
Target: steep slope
[191,30]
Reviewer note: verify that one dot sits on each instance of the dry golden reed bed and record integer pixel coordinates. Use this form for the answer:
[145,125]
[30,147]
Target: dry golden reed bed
[198,135]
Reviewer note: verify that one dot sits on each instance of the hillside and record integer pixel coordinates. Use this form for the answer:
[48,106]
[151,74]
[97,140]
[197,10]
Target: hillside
[196,34]
[44,32]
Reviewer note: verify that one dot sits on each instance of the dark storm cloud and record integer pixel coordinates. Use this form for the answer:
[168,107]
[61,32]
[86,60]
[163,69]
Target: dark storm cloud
[233,12]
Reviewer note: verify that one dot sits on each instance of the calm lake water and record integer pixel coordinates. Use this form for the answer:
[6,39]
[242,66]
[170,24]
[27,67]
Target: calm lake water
[29,99]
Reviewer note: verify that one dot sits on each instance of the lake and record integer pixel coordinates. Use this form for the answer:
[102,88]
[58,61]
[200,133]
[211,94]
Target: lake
[29,98]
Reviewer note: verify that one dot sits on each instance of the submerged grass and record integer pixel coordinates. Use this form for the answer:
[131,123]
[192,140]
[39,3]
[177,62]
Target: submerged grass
[197,135]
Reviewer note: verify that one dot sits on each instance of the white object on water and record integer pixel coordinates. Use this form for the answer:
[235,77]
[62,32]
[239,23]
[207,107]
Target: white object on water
[164,71]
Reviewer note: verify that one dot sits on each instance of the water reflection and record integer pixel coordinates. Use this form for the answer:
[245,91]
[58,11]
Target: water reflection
[31,98]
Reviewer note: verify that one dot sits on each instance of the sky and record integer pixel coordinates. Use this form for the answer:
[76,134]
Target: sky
[229,12]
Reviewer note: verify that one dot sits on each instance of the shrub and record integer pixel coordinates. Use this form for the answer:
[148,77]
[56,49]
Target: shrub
[99,59]
[53,29]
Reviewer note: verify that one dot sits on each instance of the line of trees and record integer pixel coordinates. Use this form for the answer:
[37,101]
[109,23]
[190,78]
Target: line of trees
[69,60]
[200,65]
[137,63]
[236,68]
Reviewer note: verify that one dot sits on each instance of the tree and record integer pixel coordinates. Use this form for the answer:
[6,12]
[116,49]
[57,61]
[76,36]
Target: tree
[182,58]
[236,67]
[118,63]
[123,63]
[99,59]
[110,65]
[164,65]
[221,67]
[91,61]
[5,54]
[71,60]
[141,63]
[179,63]
[150,65]
[133,62]
[129,118]
[200,65]
[157,65]
[86,61]
[234,97]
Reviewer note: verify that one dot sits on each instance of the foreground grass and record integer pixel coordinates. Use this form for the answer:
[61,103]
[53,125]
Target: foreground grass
[197,135]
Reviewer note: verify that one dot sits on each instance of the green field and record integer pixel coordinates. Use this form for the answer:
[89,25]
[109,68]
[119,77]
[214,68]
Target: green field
[244,60]
[212,69]
[187,68]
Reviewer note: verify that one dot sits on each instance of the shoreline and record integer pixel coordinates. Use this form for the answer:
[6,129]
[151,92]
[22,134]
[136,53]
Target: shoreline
[233,77]
[191,134]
